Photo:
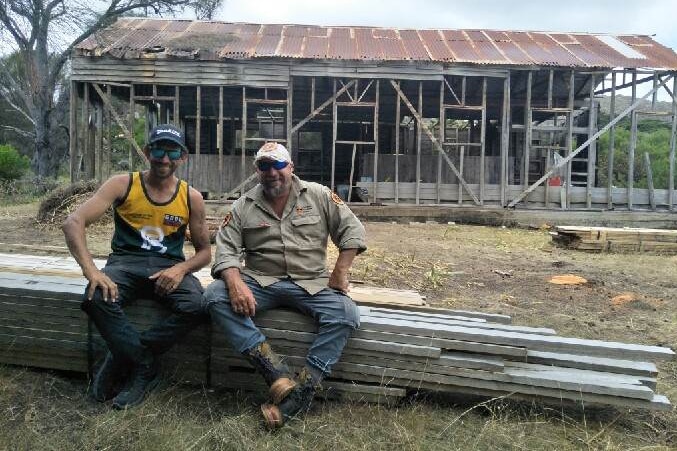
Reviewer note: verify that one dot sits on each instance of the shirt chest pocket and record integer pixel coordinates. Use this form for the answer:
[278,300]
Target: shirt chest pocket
[255,235]
[308,229]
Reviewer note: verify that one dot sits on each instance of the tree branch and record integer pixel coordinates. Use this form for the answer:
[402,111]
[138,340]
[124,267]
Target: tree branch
[12,26]
[113,12]
[18,131]
[14,86]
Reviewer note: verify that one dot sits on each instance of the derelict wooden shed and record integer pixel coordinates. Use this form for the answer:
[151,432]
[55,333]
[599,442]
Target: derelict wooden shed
[381,115]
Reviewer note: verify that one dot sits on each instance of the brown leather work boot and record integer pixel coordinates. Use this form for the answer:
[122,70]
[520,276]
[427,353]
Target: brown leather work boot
[275,372]
[297,402]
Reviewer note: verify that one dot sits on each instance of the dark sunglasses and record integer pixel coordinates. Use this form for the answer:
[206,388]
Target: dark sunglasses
[266,165]
[159,153]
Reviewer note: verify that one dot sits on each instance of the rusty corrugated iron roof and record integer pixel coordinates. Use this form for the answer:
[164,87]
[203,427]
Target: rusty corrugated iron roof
[131,38]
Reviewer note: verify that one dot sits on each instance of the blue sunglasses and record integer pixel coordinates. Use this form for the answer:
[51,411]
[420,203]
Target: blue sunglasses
[159,153]
[267,165]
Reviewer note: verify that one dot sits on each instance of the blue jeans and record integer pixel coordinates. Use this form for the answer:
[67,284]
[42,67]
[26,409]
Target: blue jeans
[336,314]
[130,273]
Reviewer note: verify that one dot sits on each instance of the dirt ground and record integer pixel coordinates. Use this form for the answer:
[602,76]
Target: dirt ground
[627,297]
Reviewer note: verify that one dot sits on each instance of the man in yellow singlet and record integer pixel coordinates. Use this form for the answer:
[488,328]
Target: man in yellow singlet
[152,210]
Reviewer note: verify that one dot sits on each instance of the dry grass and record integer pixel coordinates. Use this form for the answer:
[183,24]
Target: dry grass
[475,268]
[48,411]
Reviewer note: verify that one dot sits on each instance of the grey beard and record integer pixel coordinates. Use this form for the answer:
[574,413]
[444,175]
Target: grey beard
[275,191]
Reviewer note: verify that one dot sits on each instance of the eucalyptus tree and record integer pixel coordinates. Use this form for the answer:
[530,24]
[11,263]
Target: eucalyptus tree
[38,36]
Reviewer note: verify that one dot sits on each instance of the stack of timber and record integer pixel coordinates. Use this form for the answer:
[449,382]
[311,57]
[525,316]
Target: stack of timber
[616,239]
[396,350]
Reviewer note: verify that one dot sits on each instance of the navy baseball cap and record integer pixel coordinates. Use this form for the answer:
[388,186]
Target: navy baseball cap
[167,132]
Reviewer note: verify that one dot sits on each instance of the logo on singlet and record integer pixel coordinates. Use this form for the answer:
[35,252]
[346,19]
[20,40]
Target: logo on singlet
[172,220]
[152,239]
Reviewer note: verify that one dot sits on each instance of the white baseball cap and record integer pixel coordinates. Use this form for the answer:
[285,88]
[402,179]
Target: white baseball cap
[272,151]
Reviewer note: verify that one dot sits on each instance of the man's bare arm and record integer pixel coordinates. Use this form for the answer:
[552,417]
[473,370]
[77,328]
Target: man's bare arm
[339,276]
[74,230]
[169,279]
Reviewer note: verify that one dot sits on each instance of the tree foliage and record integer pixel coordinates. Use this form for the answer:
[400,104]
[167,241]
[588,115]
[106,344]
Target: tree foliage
[653,137]
[12,164]
[40,35]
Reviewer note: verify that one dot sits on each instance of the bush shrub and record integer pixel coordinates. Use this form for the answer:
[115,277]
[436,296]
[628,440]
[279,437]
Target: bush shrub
[13,165]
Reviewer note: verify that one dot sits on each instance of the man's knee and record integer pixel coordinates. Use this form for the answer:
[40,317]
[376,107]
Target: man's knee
[343,312]
[216,293]
[97,303]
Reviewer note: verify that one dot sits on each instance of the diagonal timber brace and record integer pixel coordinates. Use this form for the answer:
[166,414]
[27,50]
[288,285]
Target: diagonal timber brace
[566,160]
[328,102]
[434,140]
[118,119]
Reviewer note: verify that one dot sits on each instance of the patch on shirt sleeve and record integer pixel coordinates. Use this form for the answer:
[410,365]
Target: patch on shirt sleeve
[336,199]
[226,219]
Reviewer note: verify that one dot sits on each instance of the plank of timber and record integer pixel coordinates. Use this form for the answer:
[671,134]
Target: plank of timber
[541,394]
[593,363]
[519,371]
[331,388]
[488,379]
[360,343]
[35,332]
[386,296]
[532,341]
[493,317]
[42,312]
[447,344]
[44,360]
[434,322]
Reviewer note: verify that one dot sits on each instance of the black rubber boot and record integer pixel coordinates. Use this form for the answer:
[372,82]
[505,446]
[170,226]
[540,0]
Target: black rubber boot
[275,372]
[109,379]
[143,380]
[296,403]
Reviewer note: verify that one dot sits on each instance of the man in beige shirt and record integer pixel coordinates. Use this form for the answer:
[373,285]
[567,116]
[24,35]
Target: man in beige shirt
[280,230]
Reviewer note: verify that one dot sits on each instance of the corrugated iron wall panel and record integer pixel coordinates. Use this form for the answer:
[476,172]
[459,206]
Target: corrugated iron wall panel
[340,33]
[367,47]
[657,54]
[291,47]
[435,43]
[513,53]
[394,48]
[413,45]
[267,45]
[604,51]
[586,55]
[132,37]
[240,48]
[559,55]
[316,47]
[342,48]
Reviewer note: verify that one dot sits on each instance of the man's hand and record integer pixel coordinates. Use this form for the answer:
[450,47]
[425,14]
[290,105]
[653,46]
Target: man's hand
[98,279]
[168,280]
[338,280]
[241,297]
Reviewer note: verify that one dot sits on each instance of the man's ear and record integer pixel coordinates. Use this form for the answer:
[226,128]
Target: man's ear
[291,165]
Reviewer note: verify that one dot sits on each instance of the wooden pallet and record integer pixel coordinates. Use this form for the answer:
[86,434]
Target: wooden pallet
[393,352]
[609,239]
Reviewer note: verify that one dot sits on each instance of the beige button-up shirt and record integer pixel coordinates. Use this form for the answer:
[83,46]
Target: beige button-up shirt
[294,246]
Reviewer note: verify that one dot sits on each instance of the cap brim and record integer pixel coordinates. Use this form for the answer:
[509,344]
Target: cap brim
[169,138]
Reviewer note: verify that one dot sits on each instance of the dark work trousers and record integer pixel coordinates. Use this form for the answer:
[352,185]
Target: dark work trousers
[130,273]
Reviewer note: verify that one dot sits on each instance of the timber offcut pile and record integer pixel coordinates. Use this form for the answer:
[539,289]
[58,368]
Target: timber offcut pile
[616,239]
[394,351]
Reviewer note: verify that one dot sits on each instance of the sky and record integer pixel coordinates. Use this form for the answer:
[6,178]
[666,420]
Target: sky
[655,18]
